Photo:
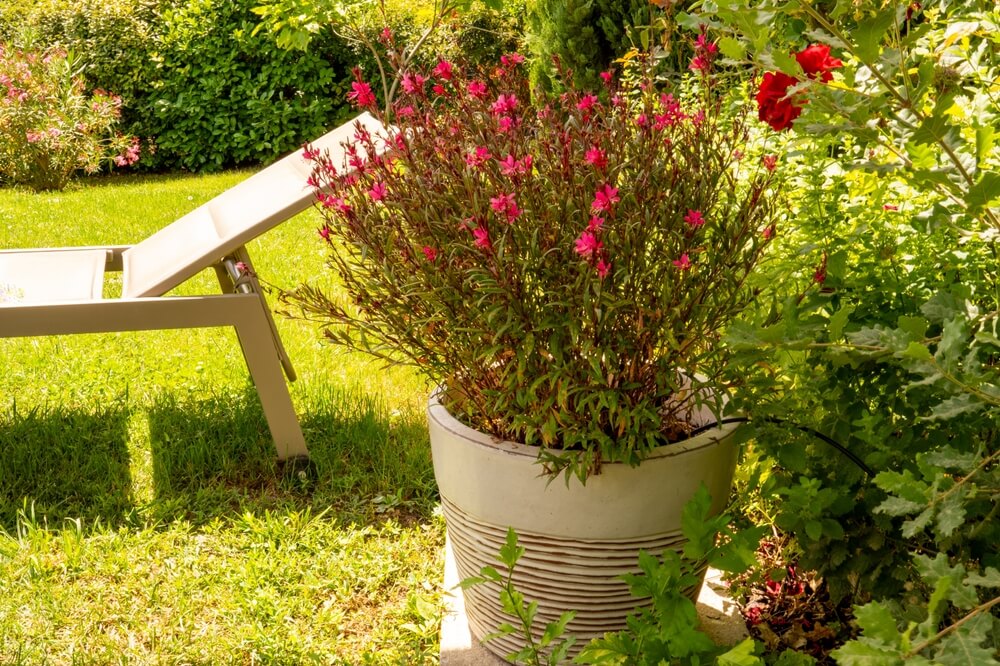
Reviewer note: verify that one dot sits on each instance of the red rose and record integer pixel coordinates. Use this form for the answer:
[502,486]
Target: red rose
[773,104]
[815,60]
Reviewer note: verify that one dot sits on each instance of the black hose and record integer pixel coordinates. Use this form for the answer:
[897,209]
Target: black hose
[809,431]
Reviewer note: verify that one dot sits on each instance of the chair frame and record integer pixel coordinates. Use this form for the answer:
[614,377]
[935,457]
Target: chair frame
[241,303]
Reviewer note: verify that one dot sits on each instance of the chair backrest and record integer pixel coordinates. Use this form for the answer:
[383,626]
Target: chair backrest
[213,230]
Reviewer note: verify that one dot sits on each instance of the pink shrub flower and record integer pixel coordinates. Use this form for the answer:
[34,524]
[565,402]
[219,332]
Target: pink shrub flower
[588,245]
[684,263]
[478,157]
[413,83]
[596,158]
[482,237]
[506,205]
[511,59]
[444,70]
[694,218]
[605,198]
[587,102]
[603,268]
[361,94]
[595,223]
[505,104]
[476,89]
[377,191]
[430,253]
[770,162]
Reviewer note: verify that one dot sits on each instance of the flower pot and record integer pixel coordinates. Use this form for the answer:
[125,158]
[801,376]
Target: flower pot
[579,539]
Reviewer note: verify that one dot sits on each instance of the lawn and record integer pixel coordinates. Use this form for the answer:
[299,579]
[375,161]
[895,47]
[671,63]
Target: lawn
[143,516]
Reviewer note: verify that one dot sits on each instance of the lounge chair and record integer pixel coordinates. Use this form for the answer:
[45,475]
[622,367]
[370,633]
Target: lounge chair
[59,291]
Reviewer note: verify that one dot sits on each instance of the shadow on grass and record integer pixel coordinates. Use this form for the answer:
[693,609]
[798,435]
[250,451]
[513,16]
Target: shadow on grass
[60,463]
[214,458]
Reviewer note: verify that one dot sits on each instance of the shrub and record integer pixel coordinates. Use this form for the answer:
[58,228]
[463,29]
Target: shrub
[585,35]
[562,268]
[223,96]
[50,126]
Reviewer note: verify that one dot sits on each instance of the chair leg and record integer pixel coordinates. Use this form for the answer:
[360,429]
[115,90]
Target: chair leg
[262,360]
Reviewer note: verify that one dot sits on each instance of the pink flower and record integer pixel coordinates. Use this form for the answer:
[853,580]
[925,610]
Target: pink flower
[336,203]
[361,94]
[595,223]
[476,89]
[606,77]
[439,90]
[477,158]
[684,263]
[605,198]
[596,158]
[309,153]
[430,253]
[324,233]
[641,121]
[511,59]
[892,207]
[702,45]
[405,112]
[769,232]
[603,268]
[587,103]
[482,237]
[505,104]
[700,64]
[508,166]
[770,162]
[386,35]
[694,218]
[505,124]
[587,245]
[506,205]
[377,192]
[444,70]
[413,83]
[512,167]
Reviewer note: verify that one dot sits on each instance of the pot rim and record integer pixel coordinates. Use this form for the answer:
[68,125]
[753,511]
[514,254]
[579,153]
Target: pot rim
[439,413]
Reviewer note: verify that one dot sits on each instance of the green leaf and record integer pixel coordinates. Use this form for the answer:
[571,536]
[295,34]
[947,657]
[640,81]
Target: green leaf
[814,529]
[897,506]
[856,653]
[741,654]
[951,515]
[965,645]
[510,552]
[732,48]
[985,192]
[989,579]
[877,622]
[985,137]
[838,321]
[869,33]
[935,129]
[953,407]
[918,352]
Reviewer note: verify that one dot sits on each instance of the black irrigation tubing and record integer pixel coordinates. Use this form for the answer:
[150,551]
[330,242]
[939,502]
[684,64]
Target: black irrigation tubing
[809,431]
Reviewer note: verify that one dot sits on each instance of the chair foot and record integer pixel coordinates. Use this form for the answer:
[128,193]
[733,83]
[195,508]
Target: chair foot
[300,469]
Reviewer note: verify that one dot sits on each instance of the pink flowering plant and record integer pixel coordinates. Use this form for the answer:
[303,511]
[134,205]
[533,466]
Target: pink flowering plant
[564,267]
[50,127]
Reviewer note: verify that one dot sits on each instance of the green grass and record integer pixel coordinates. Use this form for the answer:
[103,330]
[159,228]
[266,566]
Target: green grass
[143,516]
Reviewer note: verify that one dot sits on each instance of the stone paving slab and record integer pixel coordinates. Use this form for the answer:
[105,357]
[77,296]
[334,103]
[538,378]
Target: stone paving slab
[719,616]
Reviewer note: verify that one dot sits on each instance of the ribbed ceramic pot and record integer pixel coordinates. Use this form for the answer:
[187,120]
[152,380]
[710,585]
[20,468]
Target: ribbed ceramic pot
[579,539]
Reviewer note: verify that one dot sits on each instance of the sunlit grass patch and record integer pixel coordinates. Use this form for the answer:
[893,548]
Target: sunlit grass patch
[146,518]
